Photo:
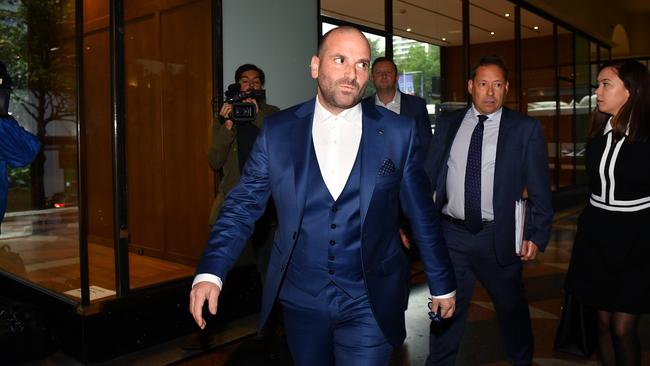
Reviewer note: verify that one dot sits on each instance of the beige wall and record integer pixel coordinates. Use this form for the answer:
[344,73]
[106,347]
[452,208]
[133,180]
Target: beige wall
[598,18]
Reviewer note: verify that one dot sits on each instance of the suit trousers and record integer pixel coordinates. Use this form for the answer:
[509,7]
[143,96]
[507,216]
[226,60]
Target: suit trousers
[474,258]
[332,328]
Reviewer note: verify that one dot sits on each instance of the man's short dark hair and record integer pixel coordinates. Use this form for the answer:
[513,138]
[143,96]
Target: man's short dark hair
[384,59]
[249,67]
[492,60]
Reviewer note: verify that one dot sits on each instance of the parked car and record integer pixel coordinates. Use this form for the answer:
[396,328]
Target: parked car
[62,199]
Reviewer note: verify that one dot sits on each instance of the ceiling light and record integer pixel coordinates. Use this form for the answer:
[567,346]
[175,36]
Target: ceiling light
[535,27]
[444,38]
[507,14]
[408,29]
[492,33]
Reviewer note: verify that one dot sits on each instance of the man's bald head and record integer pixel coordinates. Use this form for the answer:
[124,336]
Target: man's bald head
[341,68]
[341,29]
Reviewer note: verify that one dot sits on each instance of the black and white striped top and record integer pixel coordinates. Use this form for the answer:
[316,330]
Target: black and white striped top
[619,173]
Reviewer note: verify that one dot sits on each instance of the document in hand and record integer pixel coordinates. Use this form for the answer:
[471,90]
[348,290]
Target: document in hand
[520,223]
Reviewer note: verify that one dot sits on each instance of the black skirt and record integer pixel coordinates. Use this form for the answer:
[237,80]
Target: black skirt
[610,263]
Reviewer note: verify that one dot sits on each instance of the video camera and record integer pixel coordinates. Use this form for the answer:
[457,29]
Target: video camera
[243,111]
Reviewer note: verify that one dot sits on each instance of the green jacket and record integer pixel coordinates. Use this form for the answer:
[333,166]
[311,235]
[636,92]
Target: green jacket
[223,155]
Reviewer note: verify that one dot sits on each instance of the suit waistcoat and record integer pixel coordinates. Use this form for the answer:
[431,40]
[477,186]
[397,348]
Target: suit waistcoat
[329,245]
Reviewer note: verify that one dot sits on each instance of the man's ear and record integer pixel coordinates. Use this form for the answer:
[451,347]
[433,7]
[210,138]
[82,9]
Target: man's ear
[470,83]
[315,64]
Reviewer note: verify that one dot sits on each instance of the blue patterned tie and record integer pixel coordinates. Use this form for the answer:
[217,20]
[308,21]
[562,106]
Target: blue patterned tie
[473,219]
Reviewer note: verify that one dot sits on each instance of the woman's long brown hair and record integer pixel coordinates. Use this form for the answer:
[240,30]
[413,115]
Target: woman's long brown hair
[633,118]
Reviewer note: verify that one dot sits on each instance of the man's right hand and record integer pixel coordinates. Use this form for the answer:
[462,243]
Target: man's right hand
[201,292]
[226,108]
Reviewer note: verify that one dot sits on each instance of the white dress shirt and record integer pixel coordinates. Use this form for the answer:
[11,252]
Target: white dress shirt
[394,105]
[336,142]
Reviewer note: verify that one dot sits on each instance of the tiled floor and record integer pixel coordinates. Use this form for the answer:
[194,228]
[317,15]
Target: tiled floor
[481,344]
[43,248]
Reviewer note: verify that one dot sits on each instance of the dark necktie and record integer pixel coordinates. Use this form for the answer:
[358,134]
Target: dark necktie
[473,219]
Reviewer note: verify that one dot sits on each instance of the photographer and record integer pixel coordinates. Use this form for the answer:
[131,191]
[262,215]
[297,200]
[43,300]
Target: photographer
[232,140]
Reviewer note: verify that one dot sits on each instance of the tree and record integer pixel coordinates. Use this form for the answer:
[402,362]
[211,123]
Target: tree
[32,47]
[426,64]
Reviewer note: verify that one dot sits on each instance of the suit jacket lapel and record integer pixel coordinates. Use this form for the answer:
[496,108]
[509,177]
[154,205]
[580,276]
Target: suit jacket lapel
[441,184]
[403,104]
[301,144]
[371,154]
[505,125]
[453,130]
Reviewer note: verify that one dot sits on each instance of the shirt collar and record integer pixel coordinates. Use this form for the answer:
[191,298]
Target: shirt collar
[496,116]
[608,127]
[352,114]
[397,99]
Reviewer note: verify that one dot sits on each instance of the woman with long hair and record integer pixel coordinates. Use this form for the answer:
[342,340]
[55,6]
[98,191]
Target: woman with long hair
[610,263]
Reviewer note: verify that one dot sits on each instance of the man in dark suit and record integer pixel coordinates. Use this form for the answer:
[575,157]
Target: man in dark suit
[336,172]
[384,77]
[480,161]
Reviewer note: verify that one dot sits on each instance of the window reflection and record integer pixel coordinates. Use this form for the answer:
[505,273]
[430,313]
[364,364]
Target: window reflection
[39,237]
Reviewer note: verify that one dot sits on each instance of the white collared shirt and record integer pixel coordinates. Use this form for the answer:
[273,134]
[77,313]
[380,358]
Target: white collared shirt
[394,105]
[336,142]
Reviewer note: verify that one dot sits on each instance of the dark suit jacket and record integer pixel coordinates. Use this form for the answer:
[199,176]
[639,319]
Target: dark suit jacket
[278,166]
[416,108]
[521,162]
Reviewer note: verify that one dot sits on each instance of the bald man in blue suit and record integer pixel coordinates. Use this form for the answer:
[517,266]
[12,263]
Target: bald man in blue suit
[337,173]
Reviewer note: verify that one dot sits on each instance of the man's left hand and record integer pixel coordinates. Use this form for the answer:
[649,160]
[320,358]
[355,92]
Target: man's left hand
[447,306]
[528,250]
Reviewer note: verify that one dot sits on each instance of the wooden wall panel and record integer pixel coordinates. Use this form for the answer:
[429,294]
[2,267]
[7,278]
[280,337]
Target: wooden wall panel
[96,117]
[454,84]
[144,135]
[168,82]
[187,90]
[95,15]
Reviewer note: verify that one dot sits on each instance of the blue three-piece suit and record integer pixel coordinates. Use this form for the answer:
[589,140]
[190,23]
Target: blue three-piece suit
[351,243]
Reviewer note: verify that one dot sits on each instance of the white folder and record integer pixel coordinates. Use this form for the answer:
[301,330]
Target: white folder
[520,223]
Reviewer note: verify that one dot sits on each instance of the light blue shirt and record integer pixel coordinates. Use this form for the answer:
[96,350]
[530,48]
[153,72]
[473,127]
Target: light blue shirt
[457,164]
